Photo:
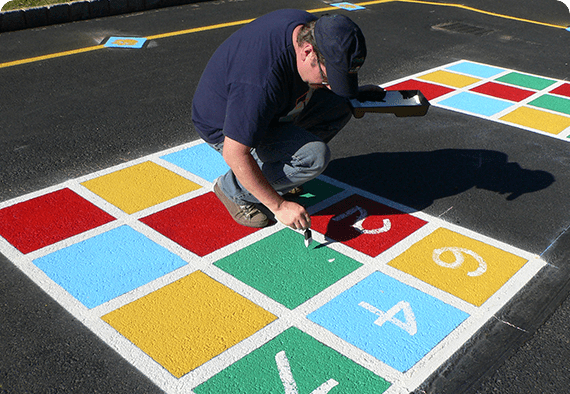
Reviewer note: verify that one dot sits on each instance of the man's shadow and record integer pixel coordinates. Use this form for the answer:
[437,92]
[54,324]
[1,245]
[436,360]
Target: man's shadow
[417,179]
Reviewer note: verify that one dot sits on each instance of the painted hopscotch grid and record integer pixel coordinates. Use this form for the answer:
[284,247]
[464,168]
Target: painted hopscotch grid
[147,258]
[536,103]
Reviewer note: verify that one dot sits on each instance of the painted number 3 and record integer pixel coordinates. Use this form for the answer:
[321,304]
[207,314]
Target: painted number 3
[362,215]
[458,254]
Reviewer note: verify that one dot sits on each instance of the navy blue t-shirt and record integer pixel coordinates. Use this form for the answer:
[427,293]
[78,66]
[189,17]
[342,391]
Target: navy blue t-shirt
[250,81]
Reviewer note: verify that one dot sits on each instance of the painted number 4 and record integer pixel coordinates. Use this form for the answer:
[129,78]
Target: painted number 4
[410,325]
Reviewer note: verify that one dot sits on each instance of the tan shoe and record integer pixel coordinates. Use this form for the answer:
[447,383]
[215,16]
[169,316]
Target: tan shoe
[294,192]
[246,215]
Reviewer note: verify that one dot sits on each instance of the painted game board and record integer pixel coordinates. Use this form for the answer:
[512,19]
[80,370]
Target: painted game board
[148,259]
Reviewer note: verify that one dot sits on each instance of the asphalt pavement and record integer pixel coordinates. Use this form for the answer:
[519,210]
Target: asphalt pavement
[70,107]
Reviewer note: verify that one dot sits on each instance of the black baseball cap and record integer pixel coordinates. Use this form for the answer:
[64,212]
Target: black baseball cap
[342,44]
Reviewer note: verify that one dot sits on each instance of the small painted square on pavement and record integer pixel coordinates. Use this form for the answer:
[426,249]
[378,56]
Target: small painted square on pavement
[365,225]
[188,322]
[314,192]
[348,6]
[274,265]
[108,265]
[201,224]
[201,160]
[476,70]
[476,104]
[467,268]
[294,362]
[33,224]
[141,186]
[125,42]
[389,320]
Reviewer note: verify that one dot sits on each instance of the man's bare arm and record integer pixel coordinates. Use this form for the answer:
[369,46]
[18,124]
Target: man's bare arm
[245,168]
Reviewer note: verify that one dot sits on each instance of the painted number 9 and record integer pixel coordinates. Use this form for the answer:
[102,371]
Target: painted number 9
[458,254]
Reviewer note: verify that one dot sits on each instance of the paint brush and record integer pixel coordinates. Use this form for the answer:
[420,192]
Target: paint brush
[308,237]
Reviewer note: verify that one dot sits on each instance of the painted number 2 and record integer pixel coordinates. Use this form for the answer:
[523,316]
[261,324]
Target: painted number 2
[410,325]
[362,215]
[458,254]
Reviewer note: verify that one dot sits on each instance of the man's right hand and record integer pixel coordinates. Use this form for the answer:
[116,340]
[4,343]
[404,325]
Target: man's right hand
[293,215]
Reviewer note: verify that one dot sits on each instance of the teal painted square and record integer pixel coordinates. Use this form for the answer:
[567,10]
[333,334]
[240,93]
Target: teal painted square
[125,42]
[526,81]
[108,265]
[201,160]
[476,70]
[294,362]
[553,103]
[476,104]
[389,320]
[281,267]
[314,192]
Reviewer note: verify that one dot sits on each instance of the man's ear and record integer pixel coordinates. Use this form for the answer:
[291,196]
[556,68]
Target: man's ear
[306,50]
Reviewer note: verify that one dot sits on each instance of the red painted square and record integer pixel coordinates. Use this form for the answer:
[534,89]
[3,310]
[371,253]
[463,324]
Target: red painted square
[563,90]
[45,220]
[365,225]
[429,90]
[201,225]
[503,91]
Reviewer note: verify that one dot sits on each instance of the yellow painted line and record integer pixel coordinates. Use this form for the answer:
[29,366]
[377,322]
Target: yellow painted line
[464,7]
[199,29]
[245,21]
[222,25]
[51,56]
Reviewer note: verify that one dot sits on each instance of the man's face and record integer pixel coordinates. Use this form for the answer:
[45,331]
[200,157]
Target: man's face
[311,70]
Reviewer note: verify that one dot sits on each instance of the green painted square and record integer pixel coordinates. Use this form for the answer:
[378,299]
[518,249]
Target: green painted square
[316,191]
[282,268]
[310,363]
[527,81]
[553,103]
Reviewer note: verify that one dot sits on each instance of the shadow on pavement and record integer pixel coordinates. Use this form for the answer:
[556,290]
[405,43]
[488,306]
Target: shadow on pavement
[417,179]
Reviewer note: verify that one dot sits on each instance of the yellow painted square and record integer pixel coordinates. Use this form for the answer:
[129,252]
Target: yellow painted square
[537,119]
[188,322]
[140,186]
[450,79]
[469,269]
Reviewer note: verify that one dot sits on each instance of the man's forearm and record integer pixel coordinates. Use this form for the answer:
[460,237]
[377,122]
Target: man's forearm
[247,171]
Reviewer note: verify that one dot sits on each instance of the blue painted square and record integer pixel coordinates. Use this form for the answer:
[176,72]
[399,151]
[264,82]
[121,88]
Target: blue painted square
[476,104]
[201,160]
[413,322]
[108,265]
[348,6]
[477,70]
[125,42]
